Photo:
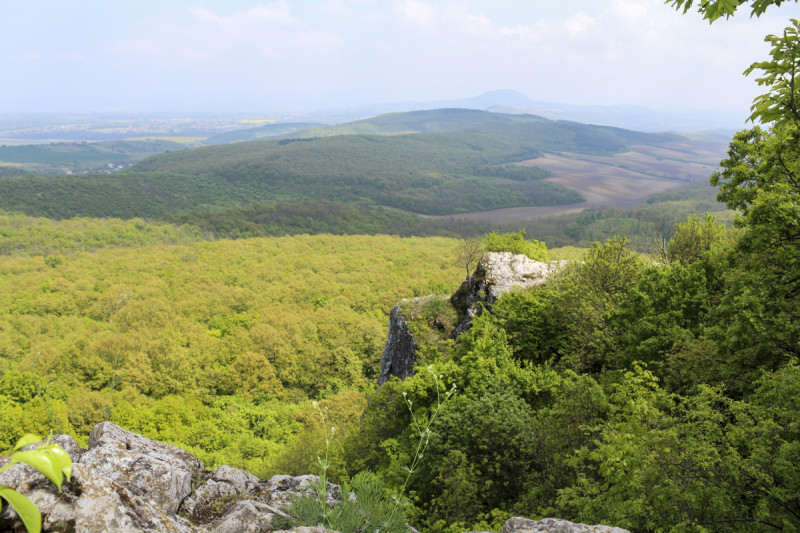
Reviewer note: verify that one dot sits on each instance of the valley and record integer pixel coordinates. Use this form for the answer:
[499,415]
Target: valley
[233,300]
[448,163]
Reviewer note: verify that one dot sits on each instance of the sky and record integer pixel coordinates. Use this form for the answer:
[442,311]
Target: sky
[235,55]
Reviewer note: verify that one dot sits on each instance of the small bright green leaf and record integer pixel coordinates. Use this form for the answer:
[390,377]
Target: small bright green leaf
[28,438]
[41,462]
[25,508]
[61,459]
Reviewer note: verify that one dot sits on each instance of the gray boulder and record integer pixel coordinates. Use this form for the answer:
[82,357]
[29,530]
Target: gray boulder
[554,525]
[150,470]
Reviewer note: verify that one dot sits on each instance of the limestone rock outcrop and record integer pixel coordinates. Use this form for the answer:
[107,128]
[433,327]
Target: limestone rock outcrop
[400,351]
[129,484]
[496,274]
[126,483]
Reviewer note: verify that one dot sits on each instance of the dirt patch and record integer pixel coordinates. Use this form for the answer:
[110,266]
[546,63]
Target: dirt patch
[603,184]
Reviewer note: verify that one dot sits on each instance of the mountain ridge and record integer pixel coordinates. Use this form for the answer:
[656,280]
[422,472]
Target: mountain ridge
[511,101]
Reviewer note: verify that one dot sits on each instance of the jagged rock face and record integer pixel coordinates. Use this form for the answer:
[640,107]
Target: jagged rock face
[400,351]
[496,274]
[129,484]
[553,525]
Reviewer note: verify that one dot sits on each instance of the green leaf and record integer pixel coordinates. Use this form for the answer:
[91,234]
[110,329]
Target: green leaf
[41,461]
[60,459]
[25,508]
[27,439]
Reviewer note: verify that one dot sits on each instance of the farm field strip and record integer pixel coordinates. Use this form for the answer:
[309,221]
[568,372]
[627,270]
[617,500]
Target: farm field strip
[650,165]
[622,180]
[709,153]
[603,185]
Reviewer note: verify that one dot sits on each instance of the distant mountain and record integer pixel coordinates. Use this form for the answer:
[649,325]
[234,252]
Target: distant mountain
[474,120]
[498,98]
[424,121]
[637,118]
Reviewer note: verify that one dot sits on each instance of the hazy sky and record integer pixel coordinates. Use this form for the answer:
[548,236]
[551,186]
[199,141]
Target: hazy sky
[68,55]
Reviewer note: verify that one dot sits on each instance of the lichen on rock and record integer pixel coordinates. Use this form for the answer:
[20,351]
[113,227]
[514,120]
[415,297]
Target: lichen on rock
[554,525]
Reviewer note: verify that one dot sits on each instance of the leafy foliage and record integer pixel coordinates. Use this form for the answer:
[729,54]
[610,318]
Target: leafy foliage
[516,243]
[680,464]
[316,217]
[693,239]
[781,104]
[366,512]
[24,235]
[215,346]
[715,9]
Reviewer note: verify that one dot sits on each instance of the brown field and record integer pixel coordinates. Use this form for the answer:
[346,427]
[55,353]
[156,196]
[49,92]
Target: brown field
[623,180]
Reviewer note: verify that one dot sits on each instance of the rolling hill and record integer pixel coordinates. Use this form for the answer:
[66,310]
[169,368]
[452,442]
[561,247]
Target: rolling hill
[441,162]
[267,131]
[69,157]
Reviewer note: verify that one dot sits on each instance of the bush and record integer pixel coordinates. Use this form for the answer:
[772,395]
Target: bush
[516,243]
[368,511]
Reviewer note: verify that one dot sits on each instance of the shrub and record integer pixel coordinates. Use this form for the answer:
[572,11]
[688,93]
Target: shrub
[516,243]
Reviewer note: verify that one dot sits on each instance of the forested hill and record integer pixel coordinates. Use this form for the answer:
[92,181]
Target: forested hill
[267,131]
[460,165]
[453,119]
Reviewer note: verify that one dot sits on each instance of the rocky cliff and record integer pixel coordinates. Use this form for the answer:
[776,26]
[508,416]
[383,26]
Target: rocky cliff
[496,274]
[126,483]
[400,351]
